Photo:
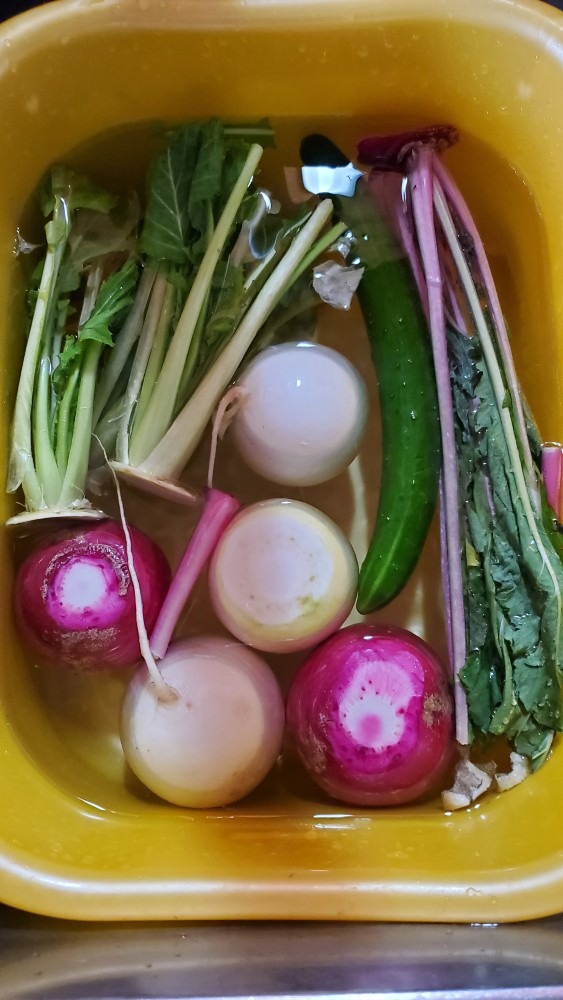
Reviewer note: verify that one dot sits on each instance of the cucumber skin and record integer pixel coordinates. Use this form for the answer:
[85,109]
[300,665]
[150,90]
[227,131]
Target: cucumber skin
[411,449]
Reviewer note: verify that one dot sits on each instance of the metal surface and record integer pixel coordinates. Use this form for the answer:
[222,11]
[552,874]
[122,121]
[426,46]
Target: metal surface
[44,959]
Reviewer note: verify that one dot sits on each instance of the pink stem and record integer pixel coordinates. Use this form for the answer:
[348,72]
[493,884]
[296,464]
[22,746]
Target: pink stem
[459,205]
[421,176]
[552,469]
[452,296]
[219,509]
[445,574]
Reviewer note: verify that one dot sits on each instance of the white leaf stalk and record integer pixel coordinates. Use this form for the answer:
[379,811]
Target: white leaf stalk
[159,411]
[21,469]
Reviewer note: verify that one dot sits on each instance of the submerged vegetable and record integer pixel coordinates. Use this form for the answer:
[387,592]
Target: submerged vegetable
[74,603]
[501,568]
[371,715]
[80,292]
[283,576]
[303,414]
[217,263]
[398,336]
[218,737]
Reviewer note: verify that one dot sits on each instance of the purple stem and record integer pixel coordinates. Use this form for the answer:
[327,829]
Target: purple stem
[552,469]
[459,205]
[421,177]
[391,152]
[218,511]
[387,190]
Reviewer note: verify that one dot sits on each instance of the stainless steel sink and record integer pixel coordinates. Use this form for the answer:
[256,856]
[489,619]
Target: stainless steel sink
[43,959]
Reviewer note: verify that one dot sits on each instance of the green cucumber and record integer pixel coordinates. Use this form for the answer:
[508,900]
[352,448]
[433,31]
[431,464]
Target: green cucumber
[411,452]
[402,356]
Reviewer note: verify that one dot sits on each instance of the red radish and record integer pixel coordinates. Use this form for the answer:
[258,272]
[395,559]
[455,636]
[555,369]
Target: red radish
[74,602]
[371,715]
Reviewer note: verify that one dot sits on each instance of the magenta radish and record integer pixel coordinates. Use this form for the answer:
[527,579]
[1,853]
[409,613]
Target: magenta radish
[74,603]
[283,576]
[217,738]
[371,715]
[302,415]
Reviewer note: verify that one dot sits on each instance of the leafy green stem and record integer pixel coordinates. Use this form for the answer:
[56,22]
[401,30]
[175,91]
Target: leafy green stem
[77,467]
[324,243]
[192,356]
[158,414]
[128,335]
[157,356]
[63,422]
[22,470]
[142,356]
[45,459]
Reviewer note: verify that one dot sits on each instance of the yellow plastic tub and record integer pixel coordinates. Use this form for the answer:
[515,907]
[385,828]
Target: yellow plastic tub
[78,838]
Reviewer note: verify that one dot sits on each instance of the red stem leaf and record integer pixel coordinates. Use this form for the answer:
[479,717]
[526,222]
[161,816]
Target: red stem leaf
[389,152]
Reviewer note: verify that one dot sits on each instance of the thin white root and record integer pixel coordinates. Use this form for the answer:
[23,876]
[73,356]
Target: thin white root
[225,413]
[164,691]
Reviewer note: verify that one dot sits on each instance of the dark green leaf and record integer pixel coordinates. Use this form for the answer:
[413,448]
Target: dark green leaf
[95,234]
[208,173]
[513,598]
[113,300]
[476,681]
[74,190]
[530,739]
[166,228]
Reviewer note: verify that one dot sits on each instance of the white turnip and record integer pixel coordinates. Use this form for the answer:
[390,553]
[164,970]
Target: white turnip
[303,414]
[218,737]
[283,576]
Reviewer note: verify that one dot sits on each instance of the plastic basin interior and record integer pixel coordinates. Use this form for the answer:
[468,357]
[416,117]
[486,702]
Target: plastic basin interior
[79,838]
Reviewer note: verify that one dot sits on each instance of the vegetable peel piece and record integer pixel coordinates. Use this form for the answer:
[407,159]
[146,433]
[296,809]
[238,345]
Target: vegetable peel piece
[470,782]
[519,770]
[336,284]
